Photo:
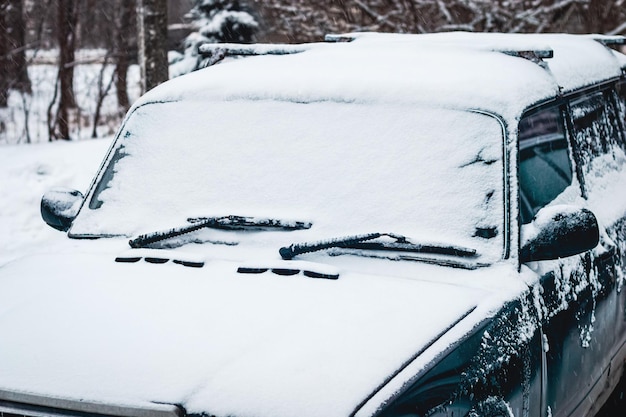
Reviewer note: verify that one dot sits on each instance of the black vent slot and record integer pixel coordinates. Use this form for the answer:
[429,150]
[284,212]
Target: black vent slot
[286,271]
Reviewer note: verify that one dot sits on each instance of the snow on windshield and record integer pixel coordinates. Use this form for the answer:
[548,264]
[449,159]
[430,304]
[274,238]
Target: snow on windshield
[429,174]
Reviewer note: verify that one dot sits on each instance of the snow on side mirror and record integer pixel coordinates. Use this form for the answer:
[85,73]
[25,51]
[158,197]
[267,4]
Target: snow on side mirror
[558,232]
[60,206]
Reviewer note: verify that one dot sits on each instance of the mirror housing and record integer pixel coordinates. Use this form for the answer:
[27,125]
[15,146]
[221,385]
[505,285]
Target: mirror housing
[558,232]
[60,206]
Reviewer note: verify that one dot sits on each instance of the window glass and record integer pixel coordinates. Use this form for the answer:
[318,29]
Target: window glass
[242,158]
[621,104]
[595,128]
[621,90]
[545,169]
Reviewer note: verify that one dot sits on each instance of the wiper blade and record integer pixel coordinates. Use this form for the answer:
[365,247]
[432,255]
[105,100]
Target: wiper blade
[223,222]
[363,242]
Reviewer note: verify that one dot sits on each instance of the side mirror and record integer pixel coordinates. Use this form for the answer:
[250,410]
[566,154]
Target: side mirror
[558,232]
[60,206]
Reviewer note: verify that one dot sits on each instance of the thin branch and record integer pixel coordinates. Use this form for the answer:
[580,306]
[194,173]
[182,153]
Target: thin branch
[102,93]
[618,30]
[52,123]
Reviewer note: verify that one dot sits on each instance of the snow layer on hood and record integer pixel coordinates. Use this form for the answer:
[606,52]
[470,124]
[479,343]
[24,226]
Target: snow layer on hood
[215,341]
[432,175]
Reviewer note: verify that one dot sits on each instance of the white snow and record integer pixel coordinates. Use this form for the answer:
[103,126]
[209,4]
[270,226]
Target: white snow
[431,175]
[211,339]
[265,345]
[28,171]
[459,69]
[565,65]
[26,116]
[137,333]
[393,74]
[605,183]
[221,18]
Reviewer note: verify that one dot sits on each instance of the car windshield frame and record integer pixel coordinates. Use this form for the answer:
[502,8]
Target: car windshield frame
[116,153]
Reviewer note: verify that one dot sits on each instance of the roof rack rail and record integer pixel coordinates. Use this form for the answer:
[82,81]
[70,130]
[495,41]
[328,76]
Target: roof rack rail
[608,40]
[536,55]
[238,49]
[213,53]
[337,37]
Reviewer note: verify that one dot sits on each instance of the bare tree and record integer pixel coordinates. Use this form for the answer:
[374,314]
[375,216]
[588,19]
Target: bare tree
[4,52]
[123,45]
[17,46]
[604,16]
[152,34]
[13,69]
[103,90]
[67,20]
[309,20]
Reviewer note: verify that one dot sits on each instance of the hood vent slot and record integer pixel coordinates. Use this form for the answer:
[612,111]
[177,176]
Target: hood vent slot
[323,272]
[161,256]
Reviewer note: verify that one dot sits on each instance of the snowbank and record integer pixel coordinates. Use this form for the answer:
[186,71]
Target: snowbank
[27,172]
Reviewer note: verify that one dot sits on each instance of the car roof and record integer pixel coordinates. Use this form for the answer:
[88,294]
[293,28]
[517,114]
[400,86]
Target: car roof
[499,73]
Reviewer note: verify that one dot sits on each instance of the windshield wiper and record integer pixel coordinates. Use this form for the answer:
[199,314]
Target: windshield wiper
[362,242]
[223,222]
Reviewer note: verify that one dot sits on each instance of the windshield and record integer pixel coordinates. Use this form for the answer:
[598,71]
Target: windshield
[429,174]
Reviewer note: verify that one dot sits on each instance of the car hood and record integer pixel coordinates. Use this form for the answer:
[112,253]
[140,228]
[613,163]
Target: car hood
[88,329]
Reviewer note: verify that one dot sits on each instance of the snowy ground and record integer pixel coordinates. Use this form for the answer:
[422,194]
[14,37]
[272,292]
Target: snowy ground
[26,118]
[30,165]
[26,172]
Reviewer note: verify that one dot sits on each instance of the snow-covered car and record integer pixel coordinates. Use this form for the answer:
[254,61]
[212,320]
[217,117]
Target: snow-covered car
[378,225]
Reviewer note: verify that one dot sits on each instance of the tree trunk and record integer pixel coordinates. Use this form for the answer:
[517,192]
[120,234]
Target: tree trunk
[13,69]
[123,48]
[4,74]
[103,91]
[16,47]
[152,37]
[602,16]
[67,14]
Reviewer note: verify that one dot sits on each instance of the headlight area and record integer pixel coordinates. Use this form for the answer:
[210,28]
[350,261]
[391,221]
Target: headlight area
[495,371]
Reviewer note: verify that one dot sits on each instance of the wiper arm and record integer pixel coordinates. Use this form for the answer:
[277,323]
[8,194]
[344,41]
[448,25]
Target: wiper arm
[362,242]
[224,223]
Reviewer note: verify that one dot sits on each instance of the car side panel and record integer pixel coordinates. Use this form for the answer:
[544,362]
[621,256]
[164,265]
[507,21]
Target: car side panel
[590,332]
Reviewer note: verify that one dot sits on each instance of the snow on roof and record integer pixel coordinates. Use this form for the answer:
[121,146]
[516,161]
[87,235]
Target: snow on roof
[467,70]
[621,58]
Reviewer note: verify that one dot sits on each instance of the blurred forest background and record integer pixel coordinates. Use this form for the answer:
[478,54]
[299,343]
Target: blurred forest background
[70,69]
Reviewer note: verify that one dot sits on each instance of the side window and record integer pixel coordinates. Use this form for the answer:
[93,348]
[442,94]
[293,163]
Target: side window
[621,104]
[545,169]
[621,92]
[595,128]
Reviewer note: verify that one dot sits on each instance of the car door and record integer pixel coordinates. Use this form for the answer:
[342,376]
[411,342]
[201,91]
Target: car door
[576,295]
[618,231]
[598,131]
[546,174]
